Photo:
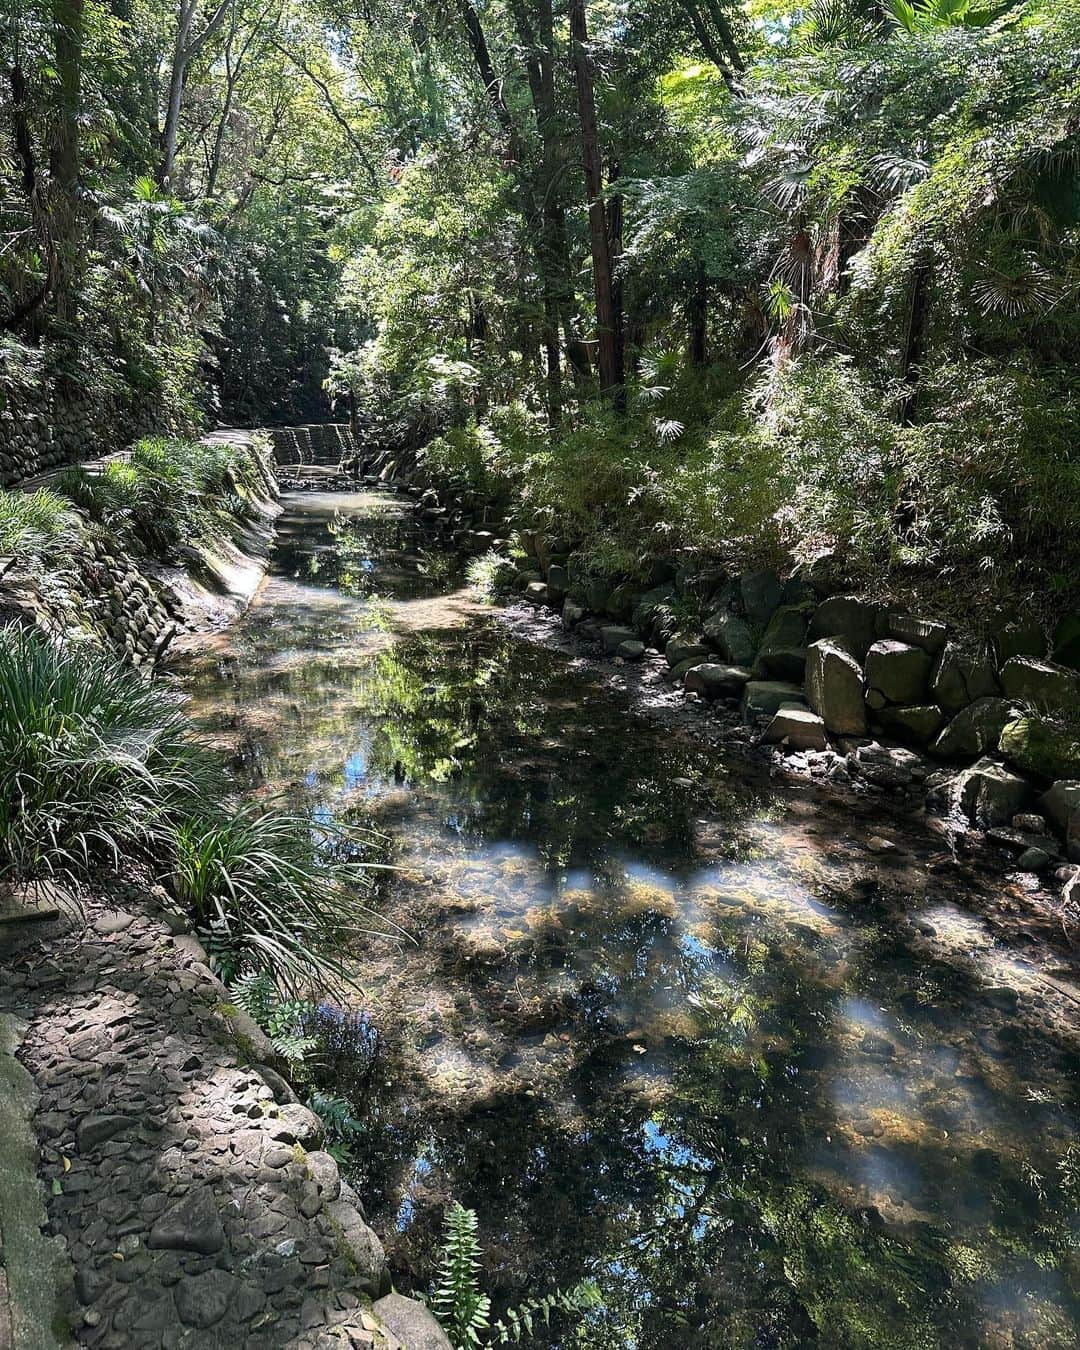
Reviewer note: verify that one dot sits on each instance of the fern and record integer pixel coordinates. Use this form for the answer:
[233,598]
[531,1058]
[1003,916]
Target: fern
[465,1312]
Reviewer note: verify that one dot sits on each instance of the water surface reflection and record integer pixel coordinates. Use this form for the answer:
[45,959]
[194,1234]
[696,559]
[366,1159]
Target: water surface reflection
[768,1067]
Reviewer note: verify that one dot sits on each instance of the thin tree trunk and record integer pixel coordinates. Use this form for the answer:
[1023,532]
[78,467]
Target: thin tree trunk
[918,315]
[64,154]
[606,327]
[699,318]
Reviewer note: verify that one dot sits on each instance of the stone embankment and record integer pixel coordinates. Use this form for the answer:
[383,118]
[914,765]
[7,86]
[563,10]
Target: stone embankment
[985,727]
[186,1190]
[100,590]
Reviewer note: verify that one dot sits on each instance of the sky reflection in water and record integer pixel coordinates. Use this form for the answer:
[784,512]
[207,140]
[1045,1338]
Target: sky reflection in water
[663,1024]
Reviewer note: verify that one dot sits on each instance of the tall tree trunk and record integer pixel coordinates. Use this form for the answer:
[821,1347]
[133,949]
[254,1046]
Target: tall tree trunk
[67,18]
[606,327]
[186,47]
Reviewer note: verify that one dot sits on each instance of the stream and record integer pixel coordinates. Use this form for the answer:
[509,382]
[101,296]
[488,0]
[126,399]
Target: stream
[774,1068]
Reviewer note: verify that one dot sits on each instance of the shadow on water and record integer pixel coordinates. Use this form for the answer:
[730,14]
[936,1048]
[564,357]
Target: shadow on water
[764,1065]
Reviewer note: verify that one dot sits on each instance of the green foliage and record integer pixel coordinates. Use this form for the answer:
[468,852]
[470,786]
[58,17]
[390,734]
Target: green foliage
[465,1312]
[458,1302]
[97,764]
[168,493]
[33,523]
[270,893]
[490,573]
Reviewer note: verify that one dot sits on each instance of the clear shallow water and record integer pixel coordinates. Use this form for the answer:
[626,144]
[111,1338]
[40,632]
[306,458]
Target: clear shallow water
[776,1072]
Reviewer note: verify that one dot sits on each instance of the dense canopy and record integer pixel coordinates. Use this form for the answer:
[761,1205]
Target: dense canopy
[786,282]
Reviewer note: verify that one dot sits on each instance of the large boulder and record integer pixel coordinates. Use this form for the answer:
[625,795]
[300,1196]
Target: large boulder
[960,677]
[572,612]
[1046,685]
[975,729]
[412,1324]
[920,723]
[834,687]
[897,671]
[1061,804]
[782,654]
[731,637]
[800,728]
[781,663]
[613,635]
[849,618]
[1067,642]
[712,680]
[760,595]
[990,794]
[764,698]
[917,632]
[1014,636]
[685,647]
[1042,747]
[786,628]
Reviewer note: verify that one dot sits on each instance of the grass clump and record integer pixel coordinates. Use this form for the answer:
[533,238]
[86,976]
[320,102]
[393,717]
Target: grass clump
[100,770]
[95,763]
[270,893]
[33,523]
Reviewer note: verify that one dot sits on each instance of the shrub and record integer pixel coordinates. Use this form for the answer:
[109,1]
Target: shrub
[95,763]
[169,492]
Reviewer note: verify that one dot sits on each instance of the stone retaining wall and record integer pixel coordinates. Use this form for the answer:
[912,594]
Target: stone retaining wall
[41,430]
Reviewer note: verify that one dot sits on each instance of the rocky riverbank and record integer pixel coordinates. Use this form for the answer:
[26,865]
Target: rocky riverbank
[848,690]
[161,1183]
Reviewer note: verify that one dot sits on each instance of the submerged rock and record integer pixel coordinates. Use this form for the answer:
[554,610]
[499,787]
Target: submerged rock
[834,687]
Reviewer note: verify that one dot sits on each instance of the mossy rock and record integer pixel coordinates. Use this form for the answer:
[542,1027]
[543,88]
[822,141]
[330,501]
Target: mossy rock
[1041,747]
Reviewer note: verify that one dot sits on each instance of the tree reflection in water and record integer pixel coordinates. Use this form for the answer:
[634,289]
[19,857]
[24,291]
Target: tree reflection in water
[664,1022]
